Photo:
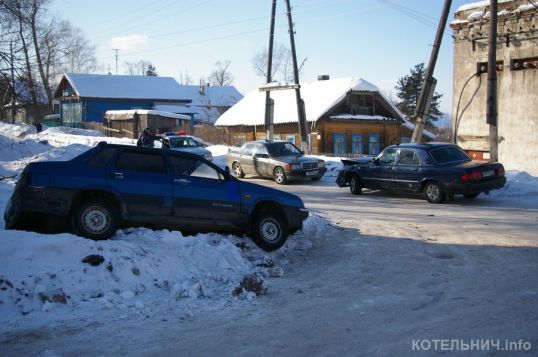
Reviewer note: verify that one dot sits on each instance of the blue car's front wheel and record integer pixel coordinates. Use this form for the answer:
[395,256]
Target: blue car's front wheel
[269,231]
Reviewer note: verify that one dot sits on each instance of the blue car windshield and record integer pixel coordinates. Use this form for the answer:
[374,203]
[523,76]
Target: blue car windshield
[282,149]
[449,154]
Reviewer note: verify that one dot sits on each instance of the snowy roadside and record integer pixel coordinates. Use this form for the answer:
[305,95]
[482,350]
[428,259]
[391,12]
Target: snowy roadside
[48,279]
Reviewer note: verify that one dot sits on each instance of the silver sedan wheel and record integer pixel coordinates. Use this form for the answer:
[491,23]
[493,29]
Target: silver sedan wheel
[280,176]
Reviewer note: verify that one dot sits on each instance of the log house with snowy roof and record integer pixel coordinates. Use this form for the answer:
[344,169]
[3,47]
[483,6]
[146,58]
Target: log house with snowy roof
[345,117]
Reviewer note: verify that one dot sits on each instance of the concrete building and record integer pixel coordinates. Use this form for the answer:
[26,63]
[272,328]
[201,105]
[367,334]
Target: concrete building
[517,82]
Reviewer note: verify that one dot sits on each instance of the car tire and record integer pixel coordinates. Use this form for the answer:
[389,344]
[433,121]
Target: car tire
[96,220]
[434,192]
[471,195]
[237,170]
[355,185]
[280,176]
[269,231]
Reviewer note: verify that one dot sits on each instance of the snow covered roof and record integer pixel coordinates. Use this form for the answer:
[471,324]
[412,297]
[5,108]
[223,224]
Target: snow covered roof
[145,111]
[124,87]
[319,97]
[224,96]
[480,10]
[407,124]
[361,117]
[479,4]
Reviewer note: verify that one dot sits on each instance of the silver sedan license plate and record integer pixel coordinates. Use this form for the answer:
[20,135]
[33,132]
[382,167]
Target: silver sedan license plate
[488,173]
[312,173]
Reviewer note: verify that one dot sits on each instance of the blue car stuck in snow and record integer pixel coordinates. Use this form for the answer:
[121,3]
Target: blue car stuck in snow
[110,186]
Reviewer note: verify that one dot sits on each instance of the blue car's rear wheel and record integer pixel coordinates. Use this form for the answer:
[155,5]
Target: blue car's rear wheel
[96,220]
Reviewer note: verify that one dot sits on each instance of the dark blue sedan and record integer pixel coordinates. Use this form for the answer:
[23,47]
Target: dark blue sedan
[438,170]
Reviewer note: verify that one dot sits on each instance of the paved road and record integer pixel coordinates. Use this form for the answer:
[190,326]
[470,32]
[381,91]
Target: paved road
[396,271]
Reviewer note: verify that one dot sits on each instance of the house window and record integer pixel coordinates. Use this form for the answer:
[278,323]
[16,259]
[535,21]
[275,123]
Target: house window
[339,144]
[374,144]
[72,114]
[357,144]
[290,138]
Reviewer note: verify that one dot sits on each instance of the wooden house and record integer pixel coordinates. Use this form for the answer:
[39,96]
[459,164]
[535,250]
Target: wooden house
[130,123]
[84,98]
[345,117]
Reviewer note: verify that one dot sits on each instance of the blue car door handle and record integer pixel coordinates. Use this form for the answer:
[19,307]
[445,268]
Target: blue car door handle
[118,175]
[182,181]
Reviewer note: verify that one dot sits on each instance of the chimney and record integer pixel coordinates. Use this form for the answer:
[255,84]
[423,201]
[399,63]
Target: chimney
[201,88]
[323,77]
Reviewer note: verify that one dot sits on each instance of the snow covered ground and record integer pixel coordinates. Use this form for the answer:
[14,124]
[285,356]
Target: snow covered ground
[43,279]
[163,275]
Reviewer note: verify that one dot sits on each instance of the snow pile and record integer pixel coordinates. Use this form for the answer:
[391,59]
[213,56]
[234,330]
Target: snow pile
[138,271]
[518,184]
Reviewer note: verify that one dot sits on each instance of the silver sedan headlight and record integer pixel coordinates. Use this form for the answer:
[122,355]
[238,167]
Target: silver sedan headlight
[295,166]
[321,163]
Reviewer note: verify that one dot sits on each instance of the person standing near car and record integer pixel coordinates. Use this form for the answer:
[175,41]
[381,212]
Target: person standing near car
[146,138]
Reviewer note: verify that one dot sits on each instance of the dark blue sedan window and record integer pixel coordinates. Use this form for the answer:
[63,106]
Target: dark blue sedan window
[136,161]
[408,157]
[388,157]
[449,154]
[102,158]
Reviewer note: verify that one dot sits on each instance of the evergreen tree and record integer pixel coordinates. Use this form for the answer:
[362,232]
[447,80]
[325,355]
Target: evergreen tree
[408,90]
[151,71]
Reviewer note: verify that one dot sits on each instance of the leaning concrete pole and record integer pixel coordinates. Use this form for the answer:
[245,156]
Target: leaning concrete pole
[491,111]
[301,115]
[426,93]
[268,101]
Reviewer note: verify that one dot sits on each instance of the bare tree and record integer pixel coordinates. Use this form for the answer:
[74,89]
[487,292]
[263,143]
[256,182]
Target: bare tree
[282,64]
[221,75]
[78,53]
[139,68]
[185,78]
[43,49]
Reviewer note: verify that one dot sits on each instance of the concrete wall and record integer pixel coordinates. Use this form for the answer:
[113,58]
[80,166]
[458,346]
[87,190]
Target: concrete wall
[517,88]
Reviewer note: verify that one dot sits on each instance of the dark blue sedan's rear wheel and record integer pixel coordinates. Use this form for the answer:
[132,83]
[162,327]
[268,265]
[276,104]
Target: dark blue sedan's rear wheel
[269,231]
[434,192]
[96,220]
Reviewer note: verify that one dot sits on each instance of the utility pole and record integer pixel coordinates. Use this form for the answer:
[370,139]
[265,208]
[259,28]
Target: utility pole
[269,103]
[117,50]
[428,86]
[13,102]
[491,111]
[301,115]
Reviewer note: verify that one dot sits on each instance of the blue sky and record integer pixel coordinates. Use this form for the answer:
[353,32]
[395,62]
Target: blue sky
[377,40]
